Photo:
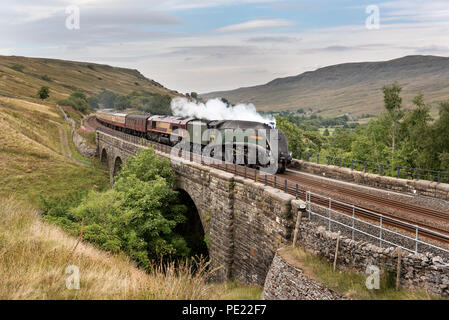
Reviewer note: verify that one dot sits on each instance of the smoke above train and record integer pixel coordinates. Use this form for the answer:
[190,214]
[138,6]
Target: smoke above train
[216,109]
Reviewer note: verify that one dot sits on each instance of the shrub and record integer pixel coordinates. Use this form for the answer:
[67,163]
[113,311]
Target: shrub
[46,78]
[44,93]
[77,101]
[18,67]
[137,217]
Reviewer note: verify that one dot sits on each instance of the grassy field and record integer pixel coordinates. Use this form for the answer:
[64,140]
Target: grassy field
[350,284]
[35,163]
[32,160]
[22,77]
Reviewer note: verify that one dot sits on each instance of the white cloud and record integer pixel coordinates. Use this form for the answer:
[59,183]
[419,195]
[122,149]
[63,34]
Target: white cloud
[256,24]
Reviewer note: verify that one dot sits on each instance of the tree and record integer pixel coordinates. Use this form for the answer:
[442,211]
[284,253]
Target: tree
[416,148]
[194,95]
[326,133]
[393,105]
[44,92]
[292,132]
[121,103]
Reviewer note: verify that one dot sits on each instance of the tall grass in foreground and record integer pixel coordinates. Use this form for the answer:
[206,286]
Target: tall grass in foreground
[34,256]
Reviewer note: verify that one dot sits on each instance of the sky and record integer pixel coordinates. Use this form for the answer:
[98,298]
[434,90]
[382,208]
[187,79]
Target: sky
[211,45]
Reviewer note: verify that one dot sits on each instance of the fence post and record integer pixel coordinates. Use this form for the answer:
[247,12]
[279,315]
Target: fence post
[274,182]
[255,175]
[438,177]
[380,232]
[398,274]
[352,164]
[266,179]
[296,191]
[336,250]
[417,173]
[381,169]
[299,155]
[353,222]
[399,174]
[364,166]
[328,160]
[285,185]
[297,226]
[416,240]
[330,208]
[245,172]
[317,158]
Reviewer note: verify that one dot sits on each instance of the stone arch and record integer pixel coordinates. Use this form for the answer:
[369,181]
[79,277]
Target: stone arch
[118,163]
[194,231]
[104,156]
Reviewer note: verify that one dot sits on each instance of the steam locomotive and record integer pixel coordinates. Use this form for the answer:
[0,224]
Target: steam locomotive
[163,129]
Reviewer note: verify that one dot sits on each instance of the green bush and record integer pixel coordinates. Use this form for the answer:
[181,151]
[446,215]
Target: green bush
[18,67]
[137,217]
[44,93]
[77,101]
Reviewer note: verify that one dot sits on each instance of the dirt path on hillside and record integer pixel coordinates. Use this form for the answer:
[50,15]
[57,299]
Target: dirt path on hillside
[65,147]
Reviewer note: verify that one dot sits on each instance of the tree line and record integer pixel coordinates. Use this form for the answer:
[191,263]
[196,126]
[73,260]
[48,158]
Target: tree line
[398,137]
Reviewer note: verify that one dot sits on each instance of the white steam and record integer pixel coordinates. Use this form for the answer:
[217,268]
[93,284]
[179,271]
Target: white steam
[216,109]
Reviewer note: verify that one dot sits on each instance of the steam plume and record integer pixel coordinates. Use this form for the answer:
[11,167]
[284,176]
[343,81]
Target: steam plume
[216,109]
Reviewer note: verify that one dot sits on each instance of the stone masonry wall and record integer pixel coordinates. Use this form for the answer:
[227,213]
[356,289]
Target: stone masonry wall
[418,271]
[415,187]
[287,282]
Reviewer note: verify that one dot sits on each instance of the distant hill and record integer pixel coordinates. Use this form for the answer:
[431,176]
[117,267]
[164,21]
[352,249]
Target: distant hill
[353,88]
[22,77]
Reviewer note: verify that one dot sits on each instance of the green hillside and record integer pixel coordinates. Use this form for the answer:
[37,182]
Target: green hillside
[22,77]
[353,88]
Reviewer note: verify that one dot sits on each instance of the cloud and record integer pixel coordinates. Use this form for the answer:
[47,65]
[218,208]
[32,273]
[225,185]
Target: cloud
[418,10]
[273,39]
[256,24]
[217,50]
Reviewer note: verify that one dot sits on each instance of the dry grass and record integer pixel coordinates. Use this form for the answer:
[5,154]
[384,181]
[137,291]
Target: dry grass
[34,256]
[67,77]
[350,284]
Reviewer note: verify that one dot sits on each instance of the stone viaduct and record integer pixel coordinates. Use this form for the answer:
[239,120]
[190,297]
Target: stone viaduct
[245,221]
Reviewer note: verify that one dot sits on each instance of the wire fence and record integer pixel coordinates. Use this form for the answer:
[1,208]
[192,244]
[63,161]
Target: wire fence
[376,167]
[354,222]
[361,224]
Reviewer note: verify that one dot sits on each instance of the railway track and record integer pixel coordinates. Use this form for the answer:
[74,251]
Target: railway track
[297,186]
